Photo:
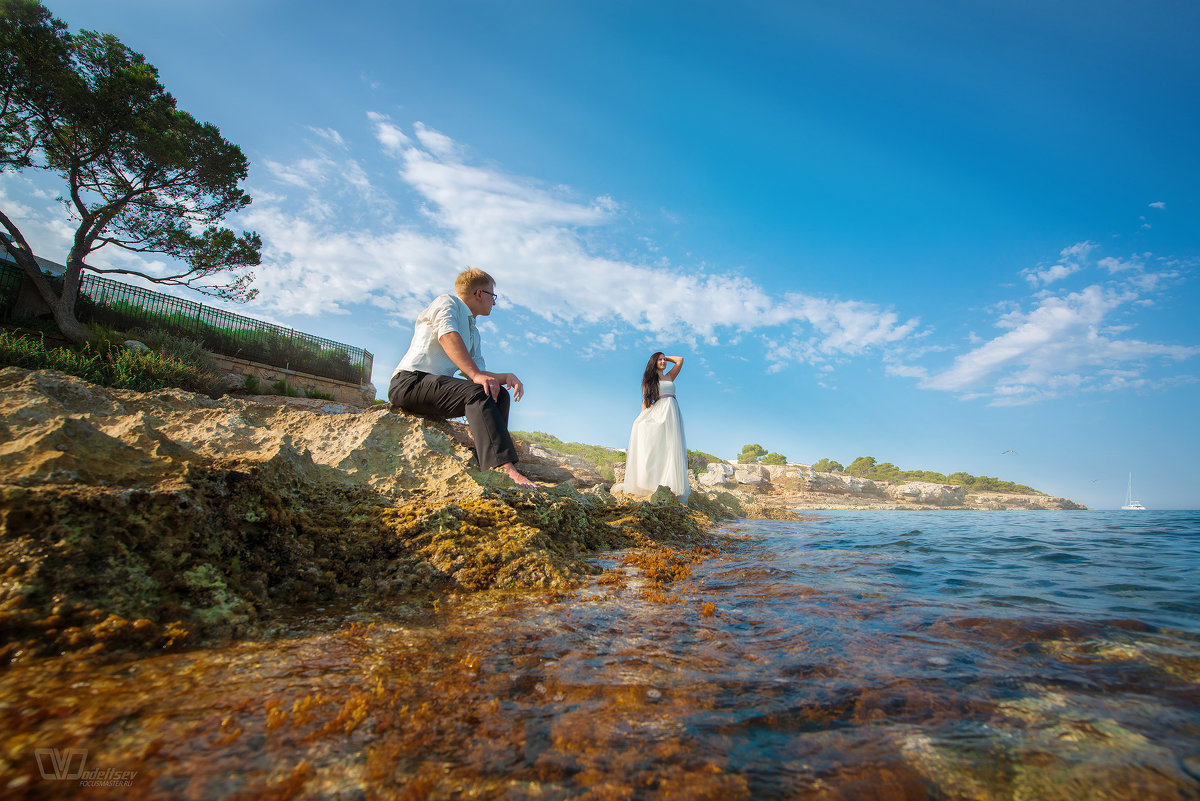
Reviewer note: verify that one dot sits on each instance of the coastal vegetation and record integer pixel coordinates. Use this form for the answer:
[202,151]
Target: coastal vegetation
[869,467]
[599,457]
[698,461]
[103,359]
[753,453]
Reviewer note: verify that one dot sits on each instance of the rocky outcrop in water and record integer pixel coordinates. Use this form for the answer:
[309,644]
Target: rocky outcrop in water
[797,486]
[152,519]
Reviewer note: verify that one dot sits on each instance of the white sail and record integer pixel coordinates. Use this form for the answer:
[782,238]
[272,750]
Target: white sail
[1130,503]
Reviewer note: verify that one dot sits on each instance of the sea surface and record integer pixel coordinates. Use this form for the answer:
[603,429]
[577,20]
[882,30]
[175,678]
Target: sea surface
[850,655]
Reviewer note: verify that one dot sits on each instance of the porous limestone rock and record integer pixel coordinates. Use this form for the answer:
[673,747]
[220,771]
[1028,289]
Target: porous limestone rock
[785,472]
[1010,500]
[836,484]
[927,493]
[140,519]
[719,475]
[367,394]
[752,474]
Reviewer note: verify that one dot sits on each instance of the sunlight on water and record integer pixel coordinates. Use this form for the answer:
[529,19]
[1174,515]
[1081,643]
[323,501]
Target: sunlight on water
[851,655]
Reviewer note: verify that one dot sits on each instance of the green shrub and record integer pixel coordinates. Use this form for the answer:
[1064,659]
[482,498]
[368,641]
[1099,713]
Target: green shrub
[867,467]
[101,362]
[751,454]
[313,392]
[251,385]
[281,387]
[774,458]
[259,344]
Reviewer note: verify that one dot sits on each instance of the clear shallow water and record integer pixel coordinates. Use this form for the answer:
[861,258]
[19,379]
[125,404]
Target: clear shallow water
[899,655]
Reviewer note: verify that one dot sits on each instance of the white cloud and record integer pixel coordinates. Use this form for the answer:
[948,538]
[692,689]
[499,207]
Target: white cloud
[539,242]
[1158,204]
[436,142]
[1067,343]
[1114,265]
[303,174]
[1051,274]
[1069,262]
[389,135]
[330,135]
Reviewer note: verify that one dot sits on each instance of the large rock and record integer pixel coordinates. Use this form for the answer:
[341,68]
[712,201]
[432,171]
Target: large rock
[927,493]
[131,518]
[837,484]
[785,472]
[718,475]
[546,464]
[752,474]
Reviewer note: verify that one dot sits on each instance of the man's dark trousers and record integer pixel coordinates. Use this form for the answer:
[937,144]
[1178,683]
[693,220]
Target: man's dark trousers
[446,396]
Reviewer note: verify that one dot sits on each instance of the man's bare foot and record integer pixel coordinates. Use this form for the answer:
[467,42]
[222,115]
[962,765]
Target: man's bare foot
[517,478]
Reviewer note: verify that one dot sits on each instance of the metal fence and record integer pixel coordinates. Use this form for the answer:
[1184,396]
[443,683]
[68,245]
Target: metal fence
[10,286]
[123,306]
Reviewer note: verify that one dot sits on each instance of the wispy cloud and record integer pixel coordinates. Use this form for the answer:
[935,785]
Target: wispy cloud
[536,239]
[1069,263]
[1066,343]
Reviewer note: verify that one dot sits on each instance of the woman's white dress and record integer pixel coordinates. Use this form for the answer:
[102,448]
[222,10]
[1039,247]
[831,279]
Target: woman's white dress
[657,452]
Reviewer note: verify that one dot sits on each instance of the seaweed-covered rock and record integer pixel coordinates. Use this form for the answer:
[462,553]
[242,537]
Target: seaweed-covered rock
[146,519]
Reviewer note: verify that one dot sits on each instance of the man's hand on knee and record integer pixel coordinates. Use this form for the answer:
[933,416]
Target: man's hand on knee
[490,384]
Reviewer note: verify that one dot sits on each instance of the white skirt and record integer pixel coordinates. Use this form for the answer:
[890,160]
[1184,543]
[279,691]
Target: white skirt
[657,453]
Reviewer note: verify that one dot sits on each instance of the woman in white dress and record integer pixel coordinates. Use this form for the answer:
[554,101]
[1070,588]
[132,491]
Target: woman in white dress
[657,452]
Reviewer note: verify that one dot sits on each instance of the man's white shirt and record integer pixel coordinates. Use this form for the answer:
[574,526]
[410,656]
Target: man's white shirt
[445,314]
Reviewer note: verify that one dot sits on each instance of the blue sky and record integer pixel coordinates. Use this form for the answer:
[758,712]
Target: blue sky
[929,232]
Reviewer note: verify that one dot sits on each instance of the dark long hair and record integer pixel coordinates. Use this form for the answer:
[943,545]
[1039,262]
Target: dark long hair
[650,380]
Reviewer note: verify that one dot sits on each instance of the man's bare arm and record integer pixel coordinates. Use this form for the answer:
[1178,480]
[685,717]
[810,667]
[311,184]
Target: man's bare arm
[456,349]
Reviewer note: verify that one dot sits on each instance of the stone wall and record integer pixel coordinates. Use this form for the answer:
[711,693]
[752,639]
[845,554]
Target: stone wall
[237,370]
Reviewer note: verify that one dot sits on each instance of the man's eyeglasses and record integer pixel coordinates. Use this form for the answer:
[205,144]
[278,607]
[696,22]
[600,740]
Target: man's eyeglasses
[495,297]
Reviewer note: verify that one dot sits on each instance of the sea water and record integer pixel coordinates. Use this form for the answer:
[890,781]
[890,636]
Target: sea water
[848,655]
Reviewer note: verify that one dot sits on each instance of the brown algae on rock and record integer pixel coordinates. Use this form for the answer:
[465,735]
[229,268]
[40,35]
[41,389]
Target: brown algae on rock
[155,519]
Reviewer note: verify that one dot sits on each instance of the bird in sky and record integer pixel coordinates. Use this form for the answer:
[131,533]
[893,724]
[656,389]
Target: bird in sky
[1010,450]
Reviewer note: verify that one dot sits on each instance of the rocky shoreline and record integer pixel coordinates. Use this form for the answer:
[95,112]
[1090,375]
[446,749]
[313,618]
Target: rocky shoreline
[153,520]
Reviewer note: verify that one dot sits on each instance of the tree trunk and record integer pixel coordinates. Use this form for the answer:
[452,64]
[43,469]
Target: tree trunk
[64,318]
[63,308]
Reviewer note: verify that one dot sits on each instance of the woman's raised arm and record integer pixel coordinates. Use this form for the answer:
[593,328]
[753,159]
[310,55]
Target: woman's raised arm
[674,371]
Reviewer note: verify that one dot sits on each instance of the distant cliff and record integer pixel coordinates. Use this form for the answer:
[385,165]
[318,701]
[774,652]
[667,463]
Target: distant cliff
[797,486]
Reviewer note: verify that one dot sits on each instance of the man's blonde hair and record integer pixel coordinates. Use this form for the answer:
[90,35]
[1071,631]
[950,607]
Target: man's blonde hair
[471,279]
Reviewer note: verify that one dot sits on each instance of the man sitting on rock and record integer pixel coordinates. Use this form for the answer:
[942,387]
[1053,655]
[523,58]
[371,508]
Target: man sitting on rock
[446,340]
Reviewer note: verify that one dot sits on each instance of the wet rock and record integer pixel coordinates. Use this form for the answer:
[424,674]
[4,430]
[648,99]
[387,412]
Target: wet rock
[198,518]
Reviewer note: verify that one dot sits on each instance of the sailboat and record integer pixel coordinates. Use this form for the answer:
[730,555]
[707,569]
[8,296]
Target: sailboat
[1130,503]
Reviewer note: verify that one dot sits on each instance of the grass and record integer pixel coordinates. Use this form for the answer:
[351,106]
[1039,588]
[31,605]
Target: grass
[173,361]
[102,362]
[255,344]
